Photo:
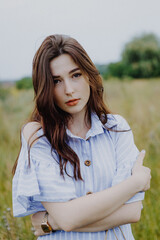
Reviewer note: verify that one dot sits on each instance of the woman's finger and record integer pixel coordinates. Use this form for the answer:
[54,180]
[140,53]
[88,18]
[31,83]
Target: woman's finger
[140,158]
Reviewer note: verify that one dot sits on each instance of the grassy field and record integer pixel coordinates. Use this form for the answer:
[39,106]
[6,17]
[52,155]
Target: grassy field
[138,101]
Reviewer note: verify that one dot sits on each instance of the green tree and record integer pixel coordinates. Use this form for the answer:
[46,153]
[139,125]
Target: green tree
[24,83]
[140,59]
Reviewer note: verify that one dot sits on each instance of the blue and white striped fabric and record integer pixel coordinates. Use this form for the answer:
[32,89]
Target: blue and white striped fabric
[112,155]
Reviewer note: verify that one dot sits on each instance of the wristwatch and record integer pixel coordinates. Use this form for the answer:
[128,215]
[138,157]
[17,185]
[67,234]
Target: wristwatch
[46,227]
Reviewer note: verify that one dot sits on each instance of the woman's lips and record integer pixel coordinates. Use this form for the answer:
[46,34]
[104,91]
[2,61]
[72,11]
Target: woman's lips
[72,102]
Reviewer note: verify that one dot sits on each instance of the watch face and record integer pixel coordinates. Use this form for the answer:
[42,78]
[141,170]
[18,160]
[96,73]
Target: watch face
[45,227]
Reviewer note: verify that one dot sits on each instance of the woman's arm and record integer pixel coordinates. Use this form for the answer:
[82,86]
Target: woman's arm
[92,208]
[128,213]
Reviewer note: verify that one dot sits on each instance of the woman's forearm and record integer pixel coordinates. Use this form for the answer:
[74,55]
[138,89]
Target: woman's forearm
[91,208]
[88,209]
[128,213]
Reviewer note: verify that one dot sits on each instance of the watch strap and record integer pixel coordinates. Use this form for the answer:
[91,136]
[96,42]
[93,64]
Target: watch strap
[45,221]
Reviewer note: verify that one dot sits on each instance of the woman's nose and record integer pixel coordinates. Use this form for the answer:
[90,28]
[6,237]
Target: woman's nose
[68,87]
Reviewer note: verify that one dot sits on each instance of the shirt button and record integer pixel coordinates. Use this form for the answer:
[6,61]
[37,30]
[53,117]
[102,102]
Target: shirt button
[88,193]
[87,163]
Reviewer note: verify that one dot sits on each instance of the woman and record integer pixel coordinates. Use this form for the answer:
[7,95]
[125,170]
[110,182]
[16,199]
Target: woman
[76,157]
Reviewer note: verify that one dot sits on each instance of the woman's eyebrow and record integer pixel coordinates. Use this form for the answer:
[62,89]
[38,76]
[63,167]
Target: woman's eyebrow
[73,70]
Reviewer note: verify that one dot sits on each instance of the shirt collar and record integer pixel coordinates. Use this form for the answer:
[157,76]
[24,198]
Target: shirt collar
[111,121]
[96,126]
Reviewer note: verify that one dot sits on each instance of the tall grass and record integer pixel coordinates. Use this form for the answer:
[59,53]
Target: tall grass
[138,101]
[14,109]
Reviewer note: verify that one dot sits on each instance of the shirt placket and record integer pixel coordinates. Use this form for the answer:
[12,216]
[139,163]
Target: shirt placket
[87,166]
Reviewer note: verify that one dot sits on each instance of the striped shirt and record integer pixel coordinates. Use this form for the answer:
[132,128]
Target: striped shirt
[106,159]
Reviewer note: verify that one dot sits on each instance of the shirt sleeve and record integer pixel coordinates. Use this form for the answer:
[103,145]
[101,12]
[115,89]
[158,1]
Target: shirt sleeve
[39,182]
[126,155]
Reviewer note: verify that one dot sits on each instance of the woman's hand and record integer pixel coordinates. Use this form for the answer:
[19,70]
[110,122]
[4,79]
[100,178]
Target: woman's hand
[37,219]
[140,173]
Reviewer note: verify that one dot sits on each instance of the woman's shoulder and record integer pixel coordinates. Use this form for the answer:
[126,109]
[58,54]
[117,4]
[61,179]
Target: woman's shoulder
[35,146]
[116,120]
[29,131]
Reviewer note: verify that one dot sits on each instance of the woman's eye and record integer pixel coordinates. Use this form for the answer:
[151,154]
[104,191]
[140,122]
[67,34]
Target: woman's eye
[56,81]
[76,75]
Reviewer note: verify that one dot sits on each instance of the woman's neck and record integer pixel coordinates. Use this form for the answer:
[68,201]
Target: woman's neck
[79,125]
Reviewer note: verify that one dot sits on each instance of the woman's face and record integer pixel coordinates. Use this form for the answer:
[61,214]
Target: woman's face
[71,86]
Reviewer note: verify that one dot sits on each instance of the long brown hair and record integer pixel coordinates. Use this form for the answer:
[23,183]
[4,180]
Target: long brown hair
[53,119]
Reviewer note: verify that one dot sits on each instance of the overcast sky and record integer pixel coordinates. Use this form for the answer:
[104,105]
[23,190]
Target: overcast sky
[101,26]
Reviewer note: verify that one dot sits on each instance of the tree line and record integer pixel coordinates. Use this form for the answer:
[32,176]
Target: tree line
[140,58]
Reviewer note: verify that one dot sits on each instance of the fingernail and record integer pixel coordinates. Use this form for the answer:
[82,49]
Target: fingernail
[143,151]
